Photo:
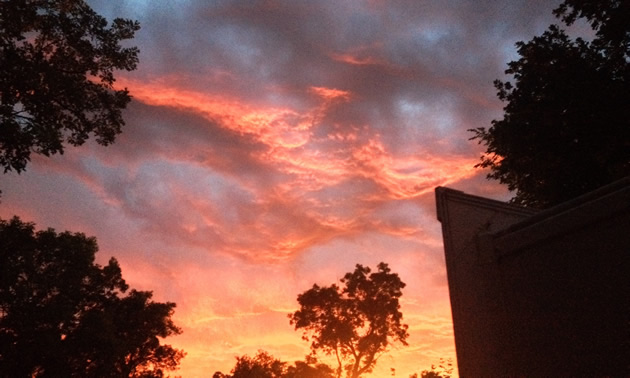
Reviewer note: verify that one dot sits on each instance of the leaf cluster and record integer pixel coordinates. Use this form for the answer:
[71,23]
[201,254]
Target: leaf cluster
[610,19]
[58,59]
[62,315]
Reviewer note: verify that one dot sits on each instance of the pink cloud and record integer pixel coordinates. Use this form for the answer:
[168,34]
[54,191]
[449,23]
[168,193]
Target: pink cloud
[273,145]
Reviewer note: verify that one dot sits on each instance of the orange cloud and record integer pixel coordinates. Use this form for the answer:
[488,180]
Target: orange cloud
[330,93]
[276,127]
[272,145]
[351,59]
[410,176]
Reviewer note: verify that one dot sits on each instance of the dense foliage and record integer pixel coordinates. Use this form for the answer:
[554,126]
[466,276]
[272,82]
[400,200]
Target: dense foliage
[264,365]
[62,315]
[566,127]
[442,370]
[356,322]
[58,59]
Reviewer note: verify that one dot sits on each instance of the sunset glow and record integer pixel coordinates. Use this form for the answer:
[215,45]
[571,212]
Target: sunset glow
[273,145]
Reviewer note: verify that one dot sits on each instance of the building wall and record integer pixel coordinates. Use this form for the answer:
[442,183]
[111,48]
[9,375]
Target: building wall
[543,294]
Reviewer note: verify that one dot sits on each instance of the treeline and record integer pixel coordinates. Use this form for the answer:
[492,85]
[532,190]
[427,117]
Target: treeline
[263,365]
[565,131]
[63,315]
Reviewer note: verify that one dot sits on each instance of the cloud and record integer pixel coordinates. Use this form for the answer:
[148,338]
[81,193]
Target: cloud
[274,144]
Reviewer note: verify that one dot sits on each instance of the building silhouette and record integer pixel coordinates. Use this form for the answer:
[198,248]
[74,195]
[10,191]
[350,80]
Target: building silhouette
[539,293]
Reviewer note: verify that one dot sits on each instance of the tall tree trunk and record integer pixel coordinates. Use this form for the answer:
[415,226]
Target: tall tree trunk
[355,368]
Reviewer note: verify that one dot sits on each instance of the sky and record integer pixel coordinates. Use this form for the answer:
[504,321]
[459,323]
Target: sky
[271,145]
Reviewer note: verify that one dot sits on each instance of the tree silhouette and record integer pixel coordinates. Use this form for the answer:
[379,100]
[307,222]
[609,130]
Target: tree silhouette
[443,370]
[264,365]
[56,83]
[356,322]
[62,315]
[309,369]
[566,127]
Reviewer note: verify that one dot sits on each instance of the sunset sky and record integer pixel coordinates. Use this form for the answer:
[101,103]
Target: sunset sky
[271,145]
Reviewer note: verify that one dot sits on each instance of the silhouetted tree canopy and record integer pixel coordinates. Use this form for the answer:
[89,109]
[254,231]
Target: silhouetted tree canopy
[566,126]
[62,315]
[354,322]
[57,60]
[264,365]
[309,369]
[443,370]
[609,18]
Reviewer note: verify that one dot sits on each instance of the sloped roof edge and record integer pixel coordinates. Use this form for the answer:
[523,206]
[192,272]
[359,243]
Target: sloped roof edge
[590,208]
[444,195]
[614,189]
